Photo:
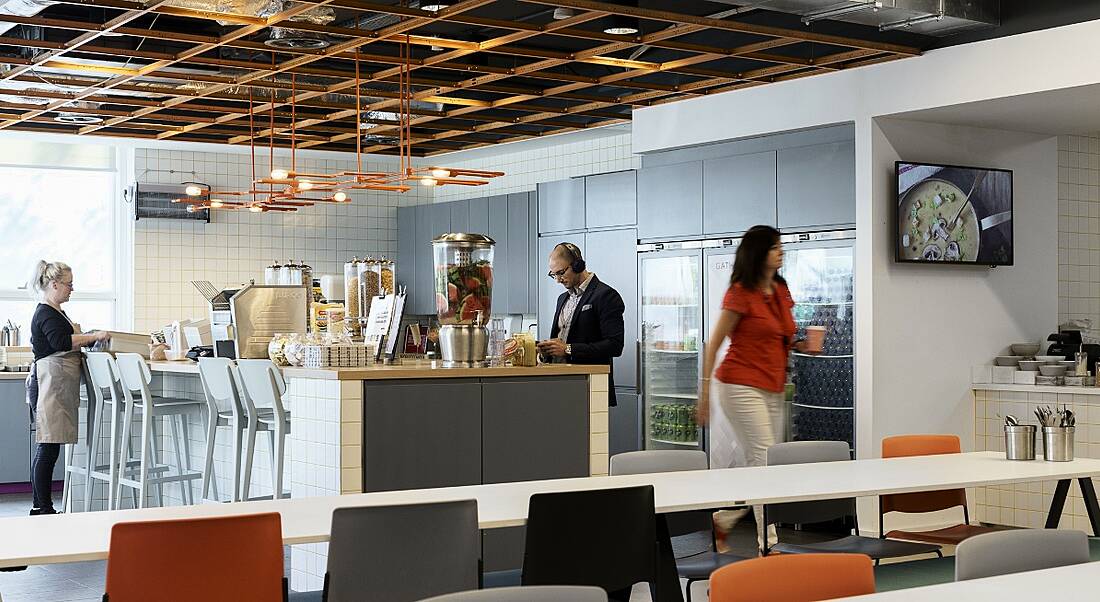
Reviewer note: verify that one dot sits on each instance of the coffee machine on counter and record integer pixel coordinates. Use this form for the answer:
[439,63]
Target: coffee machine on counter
[1067,342]
[242,321]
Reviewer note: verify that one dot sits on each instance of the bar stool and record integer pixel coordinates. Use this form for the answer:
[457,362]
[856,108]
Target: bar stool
[135,378]
[103,375]
[264,389]
[221,387]
[71,467]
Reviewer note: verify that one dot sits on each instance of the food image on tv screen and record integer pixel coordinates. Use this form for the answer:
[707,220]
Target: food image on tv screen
[954,214]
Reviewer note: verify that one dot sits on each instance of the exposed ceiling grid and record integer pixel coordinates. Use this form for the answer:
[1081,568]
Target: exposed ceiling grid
[484,72]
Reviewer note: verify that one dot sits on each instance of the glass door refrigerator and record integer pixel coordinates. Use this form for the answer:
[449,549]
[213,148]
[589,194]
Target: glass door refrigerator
[818,268]
[671,334]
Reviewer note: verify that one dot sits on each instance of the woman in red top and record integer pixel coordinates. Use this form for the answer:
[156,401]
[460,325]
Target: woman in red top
[756,317]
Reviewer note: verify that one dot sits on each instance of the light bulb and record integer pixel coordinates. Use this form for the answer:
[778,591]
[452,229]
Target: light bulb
[340,196]
[439,172]
[216,203]
[190,208]
[255,208]
[305,185]
[192,190]
[279,174]
[428,181]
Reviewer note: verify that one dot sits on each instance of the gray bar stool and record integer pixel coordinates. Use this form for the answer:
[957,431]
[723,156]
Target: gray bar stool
[135,378]
[103,375]
[224,407]
[264,388]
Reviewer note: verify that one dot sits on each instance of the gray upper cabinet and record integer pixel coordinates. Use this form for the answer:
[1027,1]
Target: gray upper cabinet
[738,193]
[561,205]
[518,259]
[479,216]
[535,262]
[611,200]
[612,255]
[460,216]
[670,201]
[816,186]
[406,242]
[498,231]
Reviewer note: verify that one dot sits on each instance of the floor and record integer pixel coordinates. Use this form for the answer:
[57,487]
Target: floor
[83,581]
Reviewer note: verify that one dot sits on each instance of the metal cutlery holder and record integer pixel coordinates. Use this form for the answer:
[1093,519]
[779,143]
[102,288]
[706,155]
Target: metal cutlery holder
[1020,442]
[1058,443]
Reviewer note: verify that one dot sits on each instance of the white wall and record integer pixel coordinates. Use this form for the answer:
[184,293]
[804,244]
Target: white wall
[1079,228]
[933,322]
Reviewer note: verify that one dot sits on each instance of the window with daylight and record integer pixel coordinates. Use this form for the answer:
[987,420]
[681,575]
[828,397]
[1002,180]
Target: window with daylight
[59,214]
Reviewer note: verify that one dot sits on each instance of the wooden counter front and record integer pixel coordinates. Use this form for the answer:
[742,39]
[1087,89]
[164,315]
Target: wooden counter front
[409,369]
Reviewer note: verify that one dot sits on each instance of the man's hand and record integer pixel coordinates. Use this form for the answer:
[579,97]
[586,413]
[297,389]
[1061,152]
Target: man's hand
[552,347]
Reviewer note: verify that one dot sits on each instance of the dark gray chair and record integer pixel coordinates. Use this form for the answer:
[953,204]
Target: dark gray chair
[692,532]
[805,452]
[532,593]
[1005,552]
[401,553]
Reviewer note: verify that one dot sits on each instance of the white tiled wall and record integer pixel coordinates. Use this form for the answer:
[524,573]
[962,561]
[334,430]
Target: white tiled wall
[524,169]
[235,246]
[1026,504]
[1079,228]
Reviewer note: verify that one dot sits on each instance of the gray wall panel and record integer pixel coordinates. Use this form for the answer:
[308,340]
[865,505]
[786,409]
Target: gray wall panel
[561,205]
[816,186]
[738,193]
[612,255]
[611,200]
[670,201]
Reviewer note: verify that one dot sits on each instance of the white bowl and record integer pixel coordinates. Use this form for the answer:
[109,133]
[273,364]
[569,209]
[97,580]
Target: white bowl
[1050,359]
[1049,370]
[1025,349]
[1008,360]
[1030,365]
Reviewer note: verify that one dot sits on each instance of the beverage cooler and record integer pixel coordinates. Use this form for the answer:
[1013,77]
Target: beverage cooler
[682,285]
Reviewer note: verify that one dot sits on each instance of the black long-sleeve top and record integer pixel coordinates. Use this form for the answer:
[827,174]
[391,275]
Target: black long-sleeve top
[51,332]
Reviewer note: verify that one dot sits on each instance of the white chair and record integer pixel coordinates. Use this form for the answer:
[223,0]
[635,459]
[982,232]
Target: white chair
[103,376]
[70,466]
[135,377]
[264,389]
[224,407]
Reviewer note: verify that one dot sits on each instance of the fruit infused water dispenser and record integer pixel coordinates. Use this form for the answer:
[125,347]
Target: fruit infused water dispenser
[463,296]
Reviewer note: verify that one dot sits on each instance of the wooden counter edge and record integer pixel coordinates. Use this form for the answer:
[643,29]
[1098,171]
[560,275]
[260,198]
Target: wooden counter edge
[405,371]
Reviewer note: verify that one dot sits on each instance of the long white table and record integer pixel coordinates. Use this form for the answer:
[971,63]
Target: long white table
[1076,583]
[85,536]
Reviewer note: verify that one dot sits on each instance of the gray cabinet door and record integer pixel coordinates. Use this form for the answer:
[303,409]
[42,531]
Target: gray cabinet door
[561,205]
[479,216]
[611,200]
[738,193]
[15,442]
[441,219]
[534,429]
[670,201]
[423,302]
[406,246]
[460,216]
[421,433]
[816,186]
[535,262]
[518,260]
[625,422]
[549,290]
[498,231]
[612,255]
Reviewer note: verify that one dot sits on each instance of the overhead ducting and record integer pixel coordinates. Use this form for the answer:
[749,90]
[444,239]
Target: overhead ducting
[938,18]
[20,8]
[295,39]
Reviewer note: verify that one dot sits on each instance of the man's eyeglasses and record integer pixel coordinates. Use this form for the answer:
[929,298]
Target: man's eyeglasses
[558,274]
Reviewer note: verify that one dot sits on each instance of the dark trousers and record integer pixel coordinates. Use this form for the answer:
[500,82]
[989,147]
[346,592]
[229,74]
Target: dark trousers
[45,459]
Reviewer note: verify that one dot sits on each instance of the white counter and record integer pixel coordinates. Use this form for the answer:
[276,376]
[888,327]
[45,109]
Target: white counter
[1039,389]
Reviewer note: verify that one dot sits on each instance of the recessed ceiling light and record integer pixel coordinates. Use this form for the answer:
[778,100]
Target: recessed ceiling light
[434,8]
[563,13]
[622,26]
[72,118]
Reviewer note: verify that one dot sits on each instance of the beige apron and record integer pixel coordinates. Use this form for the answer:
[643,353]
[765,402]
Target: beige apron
[58,397]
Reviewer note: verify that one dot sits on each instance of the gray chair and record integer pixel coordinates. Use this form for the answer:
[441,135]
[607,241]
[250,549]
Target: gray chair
[1017,551]
[805,452]
[401,553]
[532,593]
[692,532]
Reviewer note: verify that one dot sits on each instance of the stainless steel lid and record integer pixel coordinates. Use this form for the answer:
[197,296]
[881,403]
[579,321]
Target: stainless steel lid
[461,239]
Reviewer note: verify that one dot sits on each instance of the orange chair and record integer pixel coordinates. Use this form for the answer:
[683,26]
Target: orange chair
[223,559]
[793,578]
[926,501]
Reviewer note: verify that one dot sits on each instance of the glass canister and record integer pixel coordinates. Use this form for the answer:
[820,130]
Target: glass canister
[370,283]
[351,295]
[388,270]
[271,273]
[276,349]
[463,277]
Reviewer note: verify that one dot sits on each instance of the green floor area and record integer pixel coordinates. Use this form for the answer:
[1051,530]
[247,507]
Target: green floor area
[902,575]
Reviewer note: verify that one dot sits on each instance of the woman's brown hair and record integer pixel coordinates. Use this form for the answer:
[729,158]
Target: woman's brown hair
[752,256]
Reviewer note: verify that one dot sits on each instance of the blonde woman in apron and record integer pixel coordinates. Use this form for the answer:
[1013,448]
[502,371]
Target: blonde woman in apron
[53,387]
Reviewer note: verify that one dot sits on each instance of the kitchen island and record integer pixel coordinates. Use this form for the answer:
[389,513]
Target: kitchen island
[415,425]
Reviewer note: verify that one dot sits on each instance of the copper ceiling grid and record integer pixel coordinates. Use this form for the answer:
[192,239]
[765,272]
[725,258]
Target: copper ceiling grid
[330,125]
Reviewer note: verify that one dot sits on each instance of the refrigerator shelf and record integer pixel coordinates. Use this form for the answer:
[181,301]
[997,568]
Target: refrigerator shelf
[816,303]
[813,407]
[667,442]
[675,395]
[824,357]
[673,351]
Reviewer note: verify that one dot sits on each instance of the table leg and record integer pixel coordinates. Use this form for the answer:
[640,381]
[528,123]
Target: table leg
[1091,506]
[1057,503]
[667,587]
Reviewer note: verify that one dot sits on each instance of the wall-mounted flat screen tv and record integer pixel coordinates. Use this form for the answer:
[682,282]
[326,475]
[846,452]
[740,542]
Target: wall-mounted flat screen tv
[953,214]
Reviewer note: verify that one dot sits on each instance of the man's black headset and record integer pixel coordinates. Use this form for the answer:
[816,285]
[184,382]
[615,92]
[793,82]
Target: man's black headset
[576,259]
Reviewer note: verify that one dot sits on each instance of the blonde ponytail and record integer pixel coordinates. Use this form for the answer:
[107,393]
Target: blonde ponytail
[45,273]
